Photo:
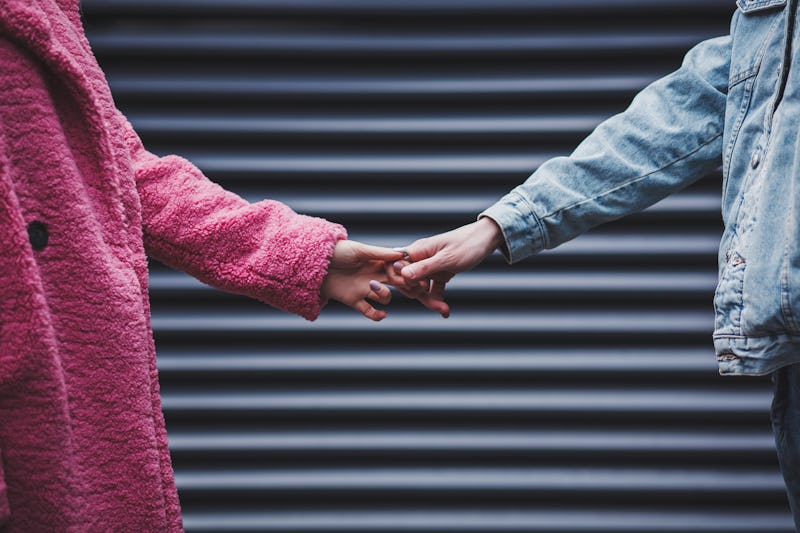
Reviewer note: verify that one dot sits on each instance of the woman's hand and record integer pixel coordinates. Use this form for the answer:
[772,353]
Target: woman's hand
[435,260]
[356,274]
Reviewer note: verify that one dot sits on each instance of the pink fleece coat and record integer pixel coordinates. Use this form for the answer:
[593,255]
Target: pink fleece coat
[82,437]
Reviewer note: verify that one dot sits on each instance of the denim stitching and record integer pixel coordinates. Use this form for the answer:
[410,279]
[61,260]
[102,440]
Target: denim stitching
[743,75]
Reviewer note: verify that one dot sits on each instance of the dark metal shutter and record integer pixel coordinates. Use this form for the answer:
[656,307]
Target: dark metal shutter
[575,392]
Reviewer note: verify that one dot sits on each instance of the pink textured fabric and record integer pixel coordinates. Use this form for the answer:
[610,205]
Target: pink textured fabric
[82,439]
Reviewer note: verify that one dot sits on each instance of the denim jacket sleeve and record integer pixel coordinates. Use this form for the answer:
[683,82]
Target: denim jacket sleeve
[670,136]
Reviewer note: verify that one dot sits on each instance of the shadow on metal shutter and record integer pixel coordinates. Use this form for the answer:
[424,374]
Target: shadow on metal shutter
[574,392]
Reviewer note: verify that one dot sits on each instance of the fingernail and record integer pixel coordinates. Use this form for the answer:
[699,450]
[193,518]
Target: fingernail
[400,249]
[445,315]
[375,286]
[398,266]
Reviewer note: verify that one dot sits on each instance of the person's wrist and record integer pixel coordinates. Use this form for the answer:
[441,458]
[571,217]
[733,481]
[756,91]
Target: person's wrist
[491,232]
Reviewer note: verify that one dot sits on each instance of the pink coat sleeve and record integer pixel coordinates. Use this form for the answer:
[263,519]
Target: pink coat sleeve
[263,250]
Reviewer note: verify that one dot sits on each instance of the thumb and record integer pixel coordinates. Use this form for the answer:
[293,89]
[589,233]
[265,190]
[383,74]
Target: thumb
[424,268]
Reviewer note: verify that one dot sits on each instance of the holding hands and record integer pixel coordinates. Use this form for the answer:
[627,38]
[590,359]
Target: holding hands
[433,261]
[358,272]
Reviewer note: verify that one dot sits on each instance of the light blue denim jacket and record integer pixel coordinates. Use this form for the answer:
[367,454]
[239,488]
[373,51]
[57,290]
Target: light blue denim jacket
[732,103]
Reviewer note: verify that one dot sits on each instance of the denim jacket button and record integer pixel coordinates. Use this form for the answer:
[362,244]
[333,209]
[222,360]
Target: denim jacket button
[756,159]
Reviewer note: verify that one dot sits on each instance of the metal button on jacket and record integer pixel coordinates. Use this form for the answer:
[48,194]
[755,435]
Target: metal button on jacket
[756,159]
[37,234]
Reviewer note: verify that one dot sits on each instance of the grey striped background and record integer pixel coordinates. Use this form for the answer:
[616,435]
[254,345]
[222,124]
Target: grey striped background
[575,392]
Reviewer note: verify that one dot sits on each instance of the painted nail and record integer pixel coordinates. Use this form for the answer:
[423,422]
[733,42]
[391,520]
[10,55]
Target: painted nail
[375,286]
[400,249]
[398,266]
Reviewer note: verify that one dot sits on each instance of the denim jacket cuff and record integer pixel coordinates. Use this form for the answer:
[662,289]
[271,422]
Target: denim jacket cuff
[523,231]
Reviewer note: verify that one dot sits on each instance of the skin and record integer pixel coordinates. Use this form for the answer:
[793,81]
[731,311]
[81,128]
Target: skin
[356,274]
[440,257]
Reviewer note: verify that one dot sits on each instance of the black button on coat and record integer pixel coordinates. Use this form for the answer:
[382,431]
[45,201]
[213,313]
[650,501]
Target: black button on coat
[38,235]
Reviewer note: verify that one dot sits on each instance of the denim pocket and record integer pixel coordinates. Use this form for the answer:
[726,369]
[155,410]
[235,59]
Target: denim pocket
[752,6]
[751,81]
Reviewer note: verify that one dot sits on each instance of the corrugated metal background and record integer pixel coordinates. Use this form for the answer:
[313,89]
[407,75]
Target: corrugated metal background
[576,392]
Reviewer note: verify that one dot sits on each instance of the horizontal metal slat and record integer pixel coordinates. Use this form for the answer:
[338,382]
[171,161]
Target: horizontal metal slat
[273,42]
[343,163]
[488,520]
[361,6]
[197,125]
[468,324]
[651,402]
[653,443]
[518,283]
[357,85]
[450,360]
[655,480]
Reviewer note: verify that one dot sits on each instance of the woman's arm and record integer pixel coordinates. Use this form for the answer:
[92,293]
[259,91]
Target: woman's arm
[670,136]
[263,250]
